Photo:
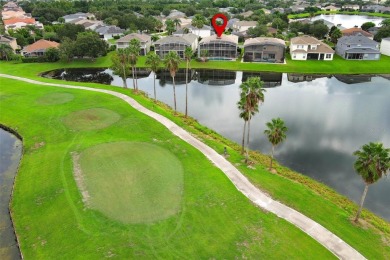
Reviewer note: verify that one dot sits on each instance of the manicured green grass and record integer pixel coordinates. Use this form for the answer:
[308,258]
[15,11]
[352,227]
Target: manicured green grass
[306,15]
[55,99]
[214,220]
[132,182]
[91,119]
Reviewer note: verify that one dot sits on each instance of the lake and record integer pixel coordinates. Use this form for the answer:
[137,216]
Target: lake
[348,21]
[328,116]
[10,153]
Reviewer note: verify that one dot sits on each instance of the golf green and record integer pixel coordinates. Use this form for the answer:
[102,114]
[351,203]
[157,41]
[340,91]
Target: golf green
[132,182]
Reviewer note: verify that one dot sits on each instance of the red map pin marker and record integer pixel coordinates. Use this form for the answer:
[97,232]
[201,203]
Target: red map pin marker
[219,29]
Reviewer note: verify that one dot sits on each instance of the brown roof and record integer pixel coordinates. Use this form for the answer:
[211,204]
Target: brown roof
[40,45]
[305,39]
[354,31]
[264,40]
[6,38]
[19,20]
[140,37]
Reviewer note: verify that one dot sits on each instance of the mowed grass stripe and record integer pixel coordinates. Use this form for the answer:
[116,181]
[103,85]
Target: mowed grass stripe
[215,220]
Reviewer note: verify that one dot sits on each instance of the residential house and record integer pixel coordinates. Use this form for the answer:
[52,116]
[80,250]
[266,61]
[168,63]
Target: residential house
[374,30]
[309,48]
[13,14]
[175,14]
[385,46]
[88,24]
[264,49]
[375,8]
[351,7]
[205,31]
[17,23]
[330,8]
[70,17]
[357,47]
[243,26]
[144,39]
[219,48]
[298,8]
[231,22]
[246,14]
[216,77]
[355,31]
[177,43]
[8,40]
[38,48]
[108,32]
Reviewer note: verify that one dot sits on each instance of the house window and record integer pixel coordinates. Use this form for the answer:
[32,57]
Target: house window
[294,56]
[271,56]
[313,47]
[304,56]
[328,56]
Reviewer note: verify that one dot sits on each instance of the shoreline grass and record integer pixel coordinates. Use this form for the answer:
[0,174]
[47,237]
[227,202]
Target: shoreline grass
[327,207]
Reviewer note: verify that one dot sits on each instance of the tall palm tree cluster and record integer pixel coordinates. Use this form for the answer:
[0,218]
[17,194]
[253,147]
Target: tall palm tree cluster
[127,58]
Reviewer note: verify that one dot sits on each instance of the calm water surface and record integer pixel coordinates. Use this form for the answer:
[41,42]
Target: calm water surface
[349,21]
[10,153]
[329,117]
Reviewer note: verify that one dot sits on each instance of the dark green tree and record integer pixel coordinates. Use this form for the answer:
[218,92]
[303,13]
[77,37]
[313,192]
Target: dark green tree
[172,61]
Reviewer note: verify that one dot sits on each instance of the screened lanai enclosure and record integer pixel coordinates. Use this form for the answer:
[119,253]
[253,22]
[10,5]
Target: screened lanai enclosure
[175,43]
[214,48]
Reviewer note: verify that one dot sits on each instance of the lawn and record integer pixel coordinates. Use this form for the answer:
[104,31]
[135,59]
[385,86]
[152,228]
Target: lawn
[310,197]
[210,218]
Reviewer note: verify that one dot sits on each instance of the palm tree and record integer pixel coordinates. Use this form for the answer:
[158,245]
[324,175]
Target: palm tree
[171,62]
[276,133]
[153,60]
[244,114]
[198,21]
[177,22]
[134,50]
[373,161]
[252,93]
[5,51]
[120,64]
[170,26]
[187,55]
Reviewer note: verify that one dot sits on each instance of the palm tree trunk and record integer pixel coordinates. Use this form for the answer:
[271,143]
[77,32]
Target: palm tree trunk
[186,90]
[361,202]
[132,71]
[154,87]
[124,77]
[243,139]
[272,155]
[174,93]
[136,79]
[247,140]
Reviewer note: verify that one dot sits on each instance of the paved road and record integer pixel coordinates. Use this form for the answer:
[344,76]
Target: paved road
[329,240]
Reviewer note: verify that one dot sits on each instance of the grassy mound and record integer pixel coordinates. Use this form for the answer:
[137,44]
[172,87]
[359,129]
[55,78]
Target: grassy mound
[132,182]
[55,99]
[91,119]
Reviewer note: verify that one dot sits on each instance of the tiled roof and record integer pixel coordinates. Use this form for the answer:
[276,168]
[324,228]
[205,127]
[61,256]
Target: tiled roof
[353,31]
[305,39]
[363,50]
[140,37]
[186,38]
[40,45]
[357,39]
[19,20]
[245,23]
[6,38]
[264,40]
